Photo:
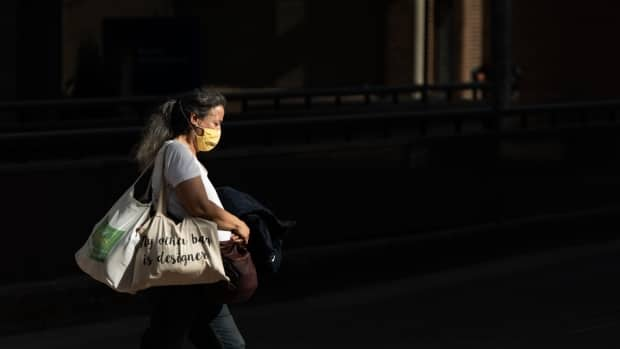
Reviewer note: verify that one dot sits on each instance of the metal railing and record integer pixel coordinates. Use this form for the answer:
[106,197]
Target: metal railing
[296,120]
[347,131]
[277,96]
[246,104]
[365,95]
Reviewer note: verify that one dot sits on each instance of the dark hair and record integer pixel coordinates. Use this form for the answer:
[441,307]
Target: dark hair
[199,102]
[171,119]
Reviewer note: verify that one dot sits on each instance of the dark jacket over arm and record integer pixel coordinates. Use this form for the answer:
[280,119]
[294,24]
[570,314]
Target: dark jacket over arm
[267,230]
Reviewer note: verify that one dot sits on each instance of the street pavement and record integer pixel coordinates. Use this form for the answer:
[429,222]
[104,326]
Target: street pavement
[561,298]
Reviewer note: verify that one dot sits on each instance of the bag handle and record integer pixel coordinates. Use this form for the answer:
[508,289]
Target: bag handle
[148,187]
[161,202]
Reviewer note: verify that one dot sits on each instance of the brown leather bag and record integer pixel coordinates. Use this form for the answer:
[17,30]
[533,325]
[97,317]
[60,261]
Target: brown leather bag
[240,268]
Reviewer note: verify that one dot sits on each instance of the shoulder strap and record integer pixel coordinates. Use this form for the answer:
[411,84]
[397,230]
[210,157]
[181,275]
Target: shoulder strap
[161,201]
[147,192]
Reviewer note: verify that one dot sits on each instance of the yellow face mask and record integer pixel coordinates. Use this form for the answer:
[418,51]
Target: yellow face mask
[209,139]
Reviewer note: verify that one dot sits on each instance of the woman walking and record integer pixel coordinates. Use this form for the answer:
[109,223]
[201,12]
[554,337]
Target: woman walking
[180,129]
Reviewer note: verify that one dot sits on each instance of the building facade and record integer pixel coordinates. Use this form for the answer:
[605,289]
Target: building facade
[563,51]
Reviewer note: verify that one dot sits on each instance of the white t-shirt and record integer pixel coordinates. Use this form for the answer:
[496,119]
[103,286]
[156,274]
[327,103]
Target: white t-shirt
[180,166]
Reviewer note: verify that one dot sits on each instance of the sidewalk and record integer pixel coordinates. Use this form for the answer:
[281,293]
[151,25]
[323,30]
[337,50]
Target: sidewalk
[312,271]
[563,298]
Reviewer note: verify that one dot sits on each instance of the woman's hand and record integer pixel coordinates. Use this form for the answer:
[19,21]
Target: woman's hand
[241,233]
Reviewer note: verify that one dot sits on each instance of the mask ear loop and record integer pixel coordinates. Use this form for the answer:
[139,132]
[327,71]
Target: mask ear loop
[189,122]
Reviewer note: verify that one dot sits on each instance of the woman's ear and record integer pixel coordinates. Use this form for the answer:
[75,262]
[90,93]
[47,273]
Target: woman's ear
[193,118]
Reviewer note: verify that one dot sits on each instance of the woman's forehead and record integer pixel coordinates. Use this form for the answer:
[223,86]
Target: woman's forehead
[216,113]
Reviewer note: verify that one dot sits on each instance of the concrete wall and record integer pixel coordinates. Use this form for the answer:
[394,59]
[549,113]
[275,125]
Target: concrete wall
[335,195]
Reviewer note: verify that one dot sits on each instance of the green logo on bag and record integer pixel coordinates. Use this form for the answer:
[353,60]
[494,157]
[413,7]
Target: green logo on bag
[104,238]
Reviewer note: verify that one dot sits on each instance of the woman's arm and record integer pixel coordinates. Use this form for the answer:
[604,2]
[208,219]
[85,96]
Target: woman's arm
[192,196]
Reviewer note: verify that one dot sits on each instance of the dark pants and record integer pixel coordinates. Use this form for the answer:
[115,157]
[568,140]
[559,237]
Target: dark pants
[180,312]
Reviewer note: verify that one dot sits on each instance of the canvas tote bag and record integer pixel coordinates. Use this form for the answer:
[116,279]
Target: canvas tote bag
[107,254]
[171,253]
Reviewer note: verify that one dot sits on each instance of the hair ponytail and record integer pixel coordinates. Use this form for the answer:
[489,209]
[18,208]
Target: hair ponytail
[155,133]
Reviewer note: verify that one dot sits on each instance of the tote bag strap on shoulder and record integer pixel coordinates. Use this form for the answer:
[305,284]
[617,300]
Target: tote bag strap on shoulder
[161,207]
[146,196]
